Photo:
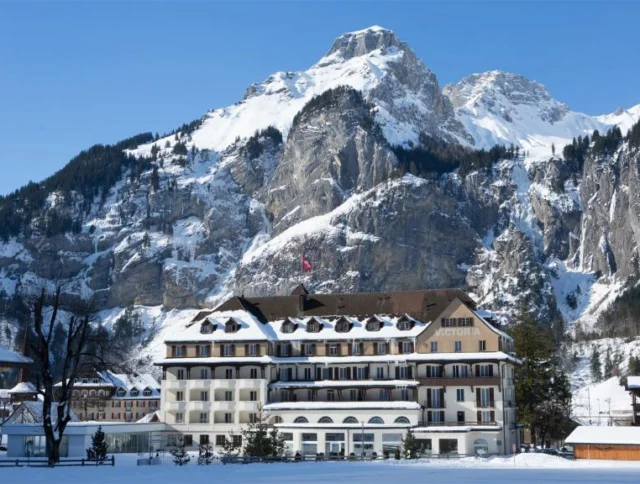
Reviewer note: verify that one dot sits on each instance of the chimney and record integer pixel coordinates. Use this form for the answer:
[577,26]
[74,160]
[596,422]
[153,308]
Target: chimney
[302,300]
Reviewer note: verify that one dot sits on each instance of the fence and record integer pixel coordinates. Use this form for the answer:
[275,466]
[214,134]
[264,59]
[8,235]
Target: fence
[242,459]
[110,461]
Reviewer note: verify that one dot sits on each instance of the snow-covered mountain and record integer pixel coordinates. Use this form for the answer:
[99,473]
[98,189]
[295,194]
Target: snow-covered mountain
[229,204]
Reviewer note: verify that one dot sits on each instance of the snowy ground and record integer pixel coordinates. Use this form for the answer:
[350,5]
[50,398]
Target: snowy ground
[525,468]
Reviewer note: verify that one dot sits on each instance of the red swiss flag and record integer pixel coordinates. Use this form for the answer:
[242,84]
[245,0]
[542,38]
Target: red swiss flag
[306,264]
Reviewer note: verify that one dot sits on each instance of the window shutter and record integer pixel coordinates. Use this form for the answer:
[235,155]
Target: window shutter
[491,397]
[477,370]
[350,348]
[399,347]
[326,349]
[318,374]
[478,397]
[348,373]
[397,372]
[441,397]
[490,370]
[313,349]
[479,416]
[387,346]
[493,416]
[366,373]
[411,372]
[246,350]
[233,350]
[429,398]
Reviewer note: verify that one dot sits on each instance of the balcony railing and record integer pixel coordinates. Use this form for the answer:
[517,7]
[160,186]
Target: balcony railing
[469,381]
[469,423]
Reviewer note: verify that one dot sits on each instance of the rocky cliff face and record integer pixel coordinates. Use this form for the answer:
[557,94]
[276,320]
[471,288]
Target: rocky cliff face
[237,212]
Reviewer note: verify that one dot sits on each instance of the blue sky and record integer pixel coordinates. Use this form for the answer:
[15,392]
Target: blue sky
[75,74]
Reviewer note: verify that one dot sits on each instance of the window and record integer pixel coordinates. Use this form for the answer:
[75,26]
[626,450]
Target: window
[221,440]
[481,447]
[313,326]
[373,325]
[288,327]
[486,416]
[204,417]
[448,446]
[285,349]
[92,393]
[460,417]
[253,418]
[228,350]
[179,417]
[278,420]
[204,439]
[457,346]
[356,395]
[228,396]
[179,396]
[204,373]
[404,395]
[381,348]
[361,373]
[465,322]
[253,373]
[350,420]
[402,420]
[376,421]
[228,373]
[435,417]
[460,395]
[252,349]
[228,418]
[178,351]
[343,326]
[301,420]
[334,350]
[307,349]
[331,395]
[134,392]
[482,345]
[121,392]
[101,393]
[207,328]
[237,440]
[380,373]
[404,324]
[180,374]
[407,347]
[356,349]
[231,326]
[484,397]
[434,347]
[325,420]
[204,396]
[448,322]
[307,374]
[204,350]
[147,392]
[342,373]
[484,370]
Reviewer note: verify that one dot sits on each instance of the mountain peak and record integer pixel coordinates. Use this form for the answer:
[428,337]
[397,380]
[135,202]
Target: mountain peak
[362,42]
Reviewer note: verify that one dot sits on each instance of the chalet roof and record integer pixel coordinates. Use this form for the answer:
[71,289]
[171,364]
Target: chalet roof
[424,305]
[10,357]
[605,435]
[31,412]
[633,382]
[24,387]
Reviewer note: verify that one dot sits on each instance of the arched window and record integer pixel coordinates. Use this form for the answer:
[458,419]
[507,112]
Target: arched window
[350,420]
[92,393]
[325,420]
[100,393]
[402,420]
[301,420]
[376,420]
[481,447]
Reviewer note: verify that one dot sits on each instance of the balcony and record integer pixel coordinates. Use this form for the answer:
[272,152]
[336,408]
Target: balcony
[175,406]
[469,381]
[222,405]
[199,405]
[197,384]
[245,383]
[175,384]
[225,384]
[248,406]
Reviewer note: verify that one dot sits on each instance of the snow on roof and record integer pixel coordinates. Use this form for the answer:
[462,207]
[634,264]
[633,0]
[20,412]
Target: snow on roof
[250,329]
[345,383]
[136,381]
[435,358]
[605,435]
[150,417]
[633,382]
[7,356]
[488,314]
[24,387]
[31,412]
[462,428]
[342,406]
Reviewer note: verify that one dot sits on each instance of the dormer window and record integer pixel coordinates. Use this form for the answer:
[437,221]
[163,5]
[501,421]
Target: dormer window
[231,326]
[207,327]
[96,380]
[288,326]
[313,326]
[343,325]
[404,323]
[373,324]
[121,392]
[147,392]
[134,392]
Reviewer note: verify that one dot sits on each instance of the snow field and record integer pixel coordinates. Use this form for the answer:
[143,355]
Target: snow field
[525,468]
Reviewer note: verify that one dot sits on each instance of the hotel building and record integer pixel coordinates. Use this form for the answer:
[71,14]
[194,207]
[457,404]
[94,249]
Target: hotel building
[345,373]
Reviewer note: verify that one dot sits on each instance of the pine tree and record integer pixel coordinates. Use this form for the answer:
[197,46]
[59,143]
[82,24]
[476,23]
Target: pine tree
[205,454]
[260,440]
[608,364]
[596,372]
[553,149]
[179,453]
[98,450]
[411,447]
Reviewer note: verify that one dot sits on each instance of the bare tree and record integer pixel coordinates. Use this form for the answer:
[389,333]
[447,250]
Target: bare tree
[80,355]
